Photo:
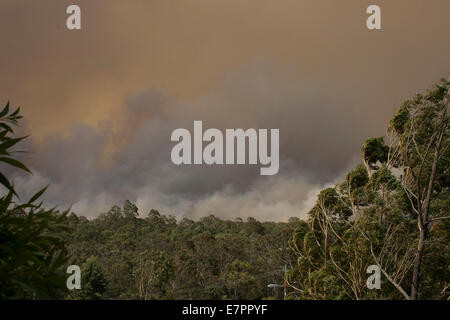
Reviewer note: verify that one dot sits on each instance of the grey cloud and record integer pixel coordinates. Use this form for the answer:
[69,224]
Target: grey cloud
[316,144]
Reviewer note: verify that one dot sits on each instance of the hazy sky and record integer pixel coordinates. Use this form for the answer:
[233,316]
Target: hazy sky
[100,103]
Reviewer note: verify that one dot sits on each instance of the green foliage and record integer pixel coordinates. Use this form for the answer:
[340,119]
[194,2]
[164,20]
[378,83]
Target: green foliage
[157,257]
[358,177]
[237,277]
[375,150]
[373,210]
[93,282]
[383,177]
[7,120]
[32,238]
[399,120]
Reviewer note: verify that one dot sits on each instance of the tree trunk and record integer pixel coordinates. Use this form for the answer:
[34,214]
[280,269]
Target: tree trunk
[417,264]
[423,219]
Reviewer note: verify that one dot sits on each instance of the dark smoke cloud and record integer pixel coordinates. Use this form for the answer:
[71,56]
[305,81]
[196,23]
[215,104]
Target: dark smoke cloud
[313,151]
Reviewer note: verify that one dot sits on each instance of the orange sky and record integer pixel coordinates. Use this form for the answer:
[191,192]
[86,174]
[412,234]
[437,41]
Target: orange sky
[187,49]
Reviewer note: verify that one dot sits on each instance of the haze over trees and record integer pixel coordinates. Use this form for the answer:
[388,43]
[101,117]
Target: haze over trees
[392,211]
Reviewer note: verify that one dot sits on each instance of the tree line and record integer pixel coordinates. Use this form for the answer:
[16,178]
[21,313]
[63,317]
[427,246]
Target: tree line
[156,257]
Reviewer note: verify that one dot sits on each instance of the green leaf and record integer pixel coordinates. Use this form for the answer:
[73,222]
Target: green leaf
[16,112]
[15,163]
[6,183]
[5,202]
[6,127]
[37,195]
[5,110]
[10,142]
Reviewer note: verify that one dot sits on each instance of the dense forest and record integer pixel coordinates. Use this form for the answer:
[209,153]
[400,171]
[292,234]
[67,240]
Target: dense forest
[391,211]
[154,257]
